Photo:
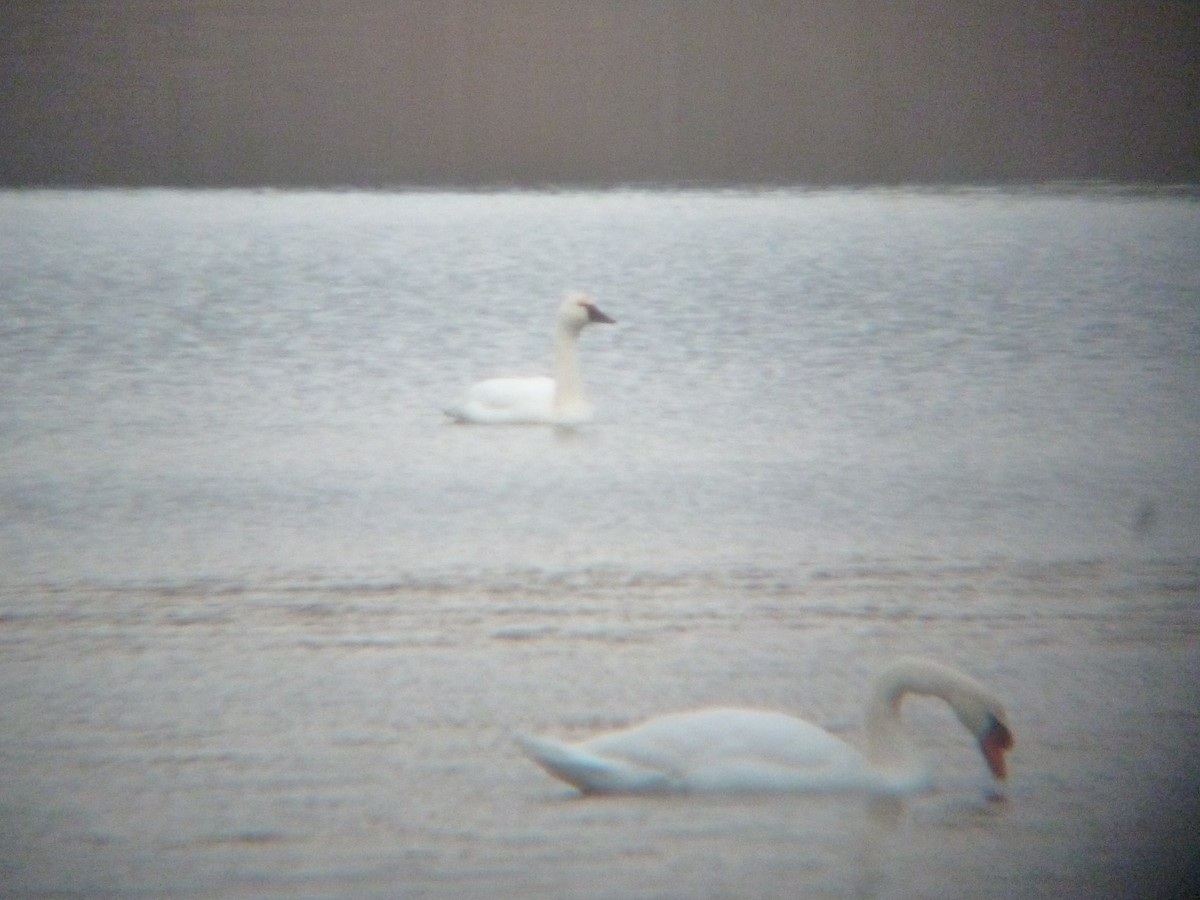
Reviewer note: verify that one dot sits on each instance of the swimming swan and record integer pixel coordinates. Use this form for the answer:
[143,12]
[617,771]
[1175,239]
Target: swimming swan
[540,400]
[750,750]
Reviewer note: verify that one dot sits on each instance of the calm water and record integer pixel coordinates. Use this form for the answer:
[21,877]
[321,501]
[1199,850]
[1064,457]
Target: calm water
[268,619]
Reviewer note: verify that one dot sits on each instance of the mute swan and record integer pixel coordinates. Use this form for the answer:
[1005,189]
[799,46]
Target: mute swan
[539,400]
[750,750]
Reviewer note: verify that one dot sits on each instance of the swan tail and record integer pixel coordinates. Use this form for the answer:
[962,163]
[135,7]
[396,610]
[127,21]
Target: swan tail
[588,772]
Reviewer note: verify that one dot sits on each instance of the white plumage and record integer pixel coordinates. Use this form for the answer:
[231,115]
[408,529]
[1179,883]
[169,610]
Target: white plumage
[752,750]
[541,400]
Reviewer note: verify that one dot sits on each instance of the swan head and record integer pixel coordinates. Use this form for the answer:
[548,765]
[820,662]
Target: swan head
[979,711]
[984,716]
[994,742]
[579,310]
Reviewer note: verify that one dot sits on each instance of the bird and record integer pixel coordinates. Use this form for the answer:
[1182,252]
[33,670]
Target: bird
[539,400]
[750,750]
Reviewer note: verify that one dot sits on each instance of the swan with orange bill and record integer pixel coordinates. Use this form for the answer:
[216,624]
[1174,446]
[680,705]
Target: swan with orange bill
[753,750]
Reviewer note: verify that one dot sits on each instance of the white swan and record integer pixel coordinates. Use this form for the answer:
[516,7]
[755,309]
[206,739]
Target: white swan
[539,400]
[750,750]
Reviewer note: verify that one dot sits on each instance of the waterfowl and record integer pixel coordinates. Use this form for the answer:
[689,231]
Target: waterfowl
[753,750]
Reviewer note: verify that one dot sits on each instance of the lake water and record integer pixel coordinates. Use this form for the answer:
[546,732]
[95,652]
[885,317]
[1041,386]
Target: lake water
[268,619]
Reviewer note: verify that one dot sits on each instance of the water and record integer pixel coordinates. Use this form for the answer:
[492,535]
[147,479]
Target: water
[227,384]
[268,619]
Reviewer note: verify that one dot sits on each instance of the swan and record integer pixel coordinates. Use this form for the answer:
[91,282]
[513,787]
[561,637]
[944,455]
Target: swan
[753,750]
[538,400]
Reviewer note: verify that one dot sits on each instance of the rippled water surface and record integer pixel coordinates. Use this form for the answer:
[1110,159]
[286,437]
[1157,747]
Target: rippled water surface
[268,619]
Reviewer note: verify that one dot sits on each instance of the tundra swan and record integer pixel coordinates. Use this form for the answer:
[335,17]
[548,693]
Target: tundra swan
[556,400]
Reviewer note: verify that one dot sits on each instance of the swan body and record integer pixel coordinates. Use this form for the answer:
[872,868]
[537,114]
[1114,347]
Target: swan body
[541,400]
[752,750]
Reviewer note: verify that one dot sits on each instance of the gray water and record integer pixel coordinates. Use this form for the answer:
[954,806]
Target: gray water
[269,619]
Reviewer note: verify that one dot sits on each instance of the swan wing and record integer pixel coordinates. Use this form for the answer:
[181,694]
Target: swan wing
[717,750]
[579,767]
[506,400]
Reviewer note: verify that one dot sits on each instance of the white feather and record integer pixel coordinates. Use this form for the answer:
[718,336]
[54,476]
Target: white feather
[542,400]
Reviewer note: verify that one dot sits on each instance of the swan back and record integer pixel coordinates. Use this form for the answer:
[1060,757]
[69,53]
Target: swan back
[506,401]
[713,750]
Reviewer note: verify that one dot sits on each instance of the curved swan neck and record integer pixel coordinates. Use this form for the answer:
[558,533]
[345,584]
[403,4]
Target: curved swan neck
[887,743]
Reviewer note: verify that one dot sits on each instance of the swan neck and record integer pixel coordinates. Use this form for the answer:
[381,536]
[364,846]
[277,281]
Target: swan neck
[568,385]
[888,745]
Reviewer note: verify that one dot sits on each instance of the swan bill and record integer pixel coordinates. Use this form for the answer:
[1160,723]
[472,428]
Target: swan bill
[595,315]
[994,742]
